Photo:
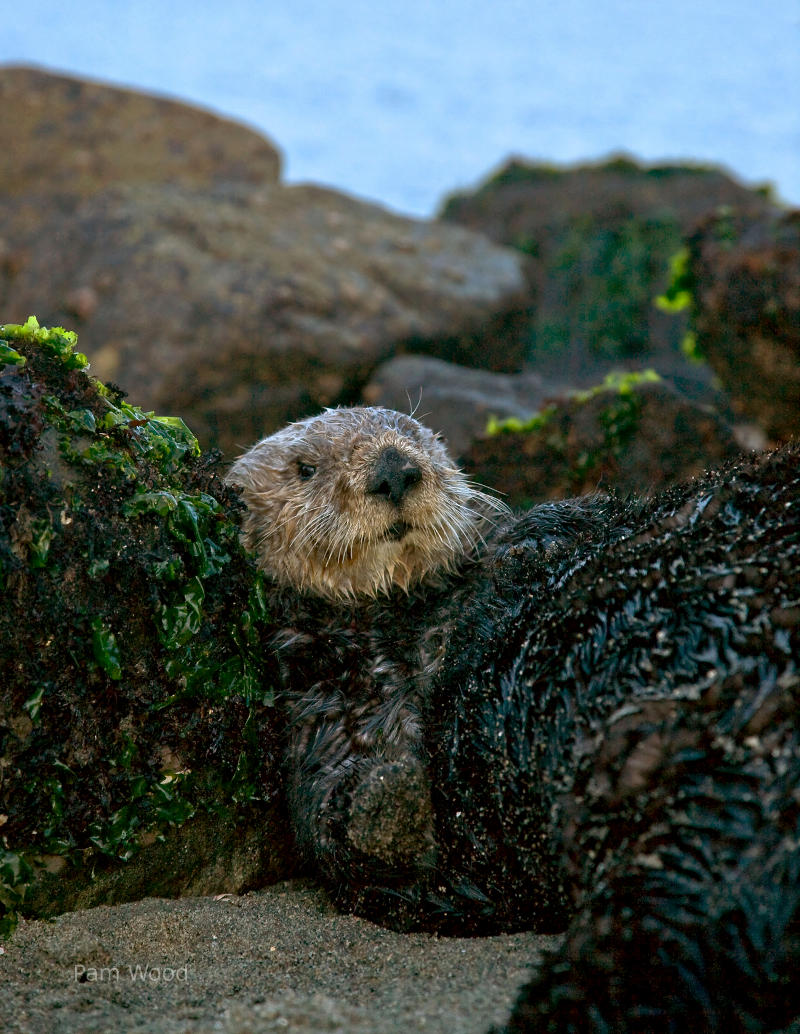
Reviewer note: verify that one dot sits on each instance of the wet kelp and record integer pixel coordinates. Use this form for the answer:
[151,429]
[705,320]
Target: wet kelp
[136,717]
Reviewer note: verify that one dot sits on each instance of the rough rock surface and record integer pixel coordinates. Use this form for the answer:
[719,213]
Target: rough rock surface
[242,308]
[599,240]
[743,274]
[634,437]
[626,431]
[525,203]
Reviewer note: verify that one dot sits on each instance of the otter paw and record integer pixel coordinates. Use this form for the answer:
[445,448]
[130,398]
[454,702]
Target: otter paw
[391,817]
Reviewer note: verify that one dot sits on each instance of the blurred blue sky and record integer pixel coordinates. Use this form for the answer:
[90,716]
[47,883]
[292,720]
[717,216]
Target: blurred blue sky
[404,100]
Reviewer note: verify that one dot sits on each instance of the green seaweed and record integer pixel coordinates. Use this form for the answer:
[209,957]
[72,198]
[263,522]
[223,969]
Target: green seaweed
[42,536]
[618,419]
[678,296]
[513,424]
[691,349]
[599,286]
[616,382]
[120,505]
[106,649]
[9,356]
[621,382]
[15,876]
[54,341]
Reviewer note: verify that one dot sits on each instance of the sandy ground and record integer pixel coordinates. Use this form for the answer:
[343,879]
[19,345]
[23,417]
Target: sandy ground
[280,959]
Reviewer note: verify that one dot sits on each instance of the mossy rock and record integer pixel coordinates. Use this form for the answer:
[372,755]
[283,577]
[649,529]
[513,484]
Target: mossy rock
[600,237]
[741,277]
[136,705]
[631,432]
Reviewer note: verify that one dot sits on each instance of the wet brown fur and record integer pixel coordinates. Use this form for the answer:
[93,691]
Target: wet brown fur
[365,577]
[326,534]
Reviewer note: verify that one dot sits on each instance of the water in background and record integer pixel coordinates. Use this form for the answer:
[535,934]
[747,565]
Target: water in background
[401,101]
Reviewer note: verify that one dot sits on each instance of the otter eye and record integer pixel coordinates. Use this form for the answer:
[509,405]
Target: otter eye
[306,470]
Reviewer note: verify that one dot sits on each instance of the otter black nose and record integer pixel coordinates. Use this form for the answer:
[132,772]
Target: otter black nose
[393,475]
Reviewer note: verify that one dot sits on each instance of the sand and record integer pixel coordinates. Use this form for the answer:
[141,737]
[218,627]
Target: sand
[280,959]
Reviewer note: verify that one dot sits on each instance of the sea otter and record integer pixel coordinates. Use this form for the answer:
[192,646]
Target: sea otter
[584,716]
[365,529]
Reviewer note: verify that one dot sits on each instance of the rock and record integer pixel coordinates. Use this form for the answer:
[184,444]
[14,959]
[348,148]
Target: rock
[73,138]
[456,401]
[136,714]
[242,308]
[599,238]
[245,303]
[630,434]
[743,274]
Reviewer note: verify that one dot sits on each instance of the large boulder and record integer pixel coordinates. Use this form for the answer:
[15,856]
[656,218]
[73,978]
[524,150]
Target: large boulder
[599,238]
[244,302]
[136,712]
[242,309]
[68,139]
[742,277]
[632,433]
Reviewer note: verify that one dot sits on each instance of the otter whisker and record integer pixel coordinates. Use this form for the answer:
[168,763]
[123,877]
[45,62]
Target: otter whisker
[413,408]
[313,531]
[295,515]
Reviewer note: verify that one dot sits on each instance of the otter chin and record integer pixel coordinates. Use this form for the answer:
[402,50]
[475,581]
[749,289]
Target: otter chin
[357,502]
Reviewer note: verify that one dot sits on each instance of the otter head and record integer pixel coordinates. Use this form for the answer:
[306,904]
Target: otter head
[354,502]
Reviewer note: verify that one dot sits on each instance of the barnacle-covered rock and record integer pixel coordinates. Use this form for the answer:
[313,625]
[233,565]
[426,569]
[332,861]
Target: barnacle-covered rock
[136,717]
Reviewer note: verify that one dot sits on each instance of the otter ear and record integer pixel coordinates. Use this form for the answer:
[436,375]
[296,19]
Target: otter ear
[305,471]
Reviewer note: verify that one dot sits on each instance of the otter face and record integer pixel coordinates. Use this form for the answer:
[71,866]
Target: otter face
[354,502]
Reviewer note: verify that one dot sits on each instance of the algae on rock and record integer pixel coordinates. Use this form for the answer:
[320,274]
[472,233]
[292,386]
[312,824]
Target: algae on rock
[630,430]
[136,717]
[599,238]
[742,274]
